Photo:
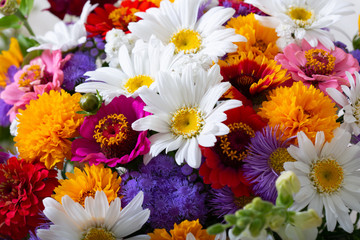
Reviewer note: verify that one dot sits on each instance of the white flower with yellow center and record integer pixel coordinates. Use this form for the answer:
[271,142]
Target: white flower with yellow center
[295,20]
[178,23]
[329,177]
[350,103]
[137,70]
[97,221]
[185,114]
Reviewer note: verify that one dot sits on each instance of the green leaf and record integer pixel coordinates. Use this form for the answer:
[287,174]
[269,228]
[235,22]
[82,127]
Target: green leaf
[26,6]
[11,21]
[26,43]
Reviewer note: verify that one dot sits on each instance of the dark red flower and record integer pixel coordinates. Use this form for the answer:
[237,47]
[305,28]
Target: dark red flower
[23,186]
[223,162]
[73,7]
[108,17]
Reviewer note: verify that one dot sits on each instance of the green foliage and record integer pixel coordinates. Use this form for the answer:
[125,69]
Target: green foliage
[11,21]
[26,7]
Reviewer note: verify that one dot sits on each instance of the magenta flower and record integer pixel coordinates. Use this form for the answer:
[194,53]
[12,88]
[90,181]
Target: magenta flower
[318,65]
[108,137]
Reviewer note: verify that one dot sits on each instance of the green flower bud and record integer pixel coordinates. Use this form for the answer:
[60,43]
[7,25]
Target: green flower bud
[216,229]
[244,213]
[8,7]
[277,218]
[257,226]
[356,41]
[287,184]
[89,102]
[237,231]
[305,220]
[259,205]
[231,219]
[243,222]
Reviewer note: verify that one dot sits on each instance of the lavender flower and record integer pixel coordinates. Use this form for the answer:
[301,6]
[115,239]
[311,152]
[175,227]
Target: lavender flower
[264,162]
[168,193]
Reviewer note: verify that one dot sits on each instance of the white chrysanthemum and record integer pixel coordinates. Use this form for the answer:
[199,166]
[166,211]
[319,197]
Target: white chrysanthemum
[185,113]
[350,103]
[295,20]
[97,221]
[65,36]
[329,177]
[177,23]
[137,70]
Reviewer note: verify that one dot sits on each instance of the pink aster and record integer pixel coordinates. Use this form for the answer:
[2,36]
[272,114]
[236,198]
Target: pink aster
[318,65]
[107,136]
[41,75]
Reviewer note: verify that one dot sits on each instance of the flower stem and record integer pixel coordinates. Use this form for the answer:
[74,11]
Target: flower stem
[24,20]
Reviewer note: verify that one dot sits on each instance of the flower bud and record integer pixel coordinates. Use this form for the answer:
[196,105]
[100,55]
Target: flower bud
[287,184]
[277,218]
[8,7]
[259,205]
[305,220]
[256,226]
[89,102]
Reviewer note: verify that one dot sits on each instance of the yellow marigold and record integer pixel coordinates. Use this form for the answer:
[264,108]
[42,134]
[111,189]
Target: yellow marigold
[13,56]
[46,127]
[181,231]
[82,184]
[260,39]
[300,108]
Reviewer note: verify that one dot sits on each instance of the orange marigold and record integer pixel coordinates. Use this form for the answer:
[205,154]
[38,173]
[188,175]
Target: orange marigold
[46,127]
[300,108]
[82,184]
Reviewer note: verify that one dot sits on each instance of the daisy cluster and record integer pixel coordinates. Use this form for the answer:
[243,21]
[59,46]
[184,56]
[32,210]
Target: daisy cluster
[159,119]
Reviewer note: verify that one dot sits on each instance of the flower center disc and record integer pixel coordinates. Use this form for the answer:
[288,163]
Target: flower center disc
[115,136]
[98,234]
[300,15]
[319,61]
[187,122]
[327,176]
[278,158]
[233,145]
[89,193]
[122,16]
[33,73]
[134,83]
[186,40]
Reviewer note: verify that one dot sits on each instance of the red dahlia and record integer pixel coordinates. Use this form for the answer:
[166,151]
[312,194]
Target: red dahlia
[23,186]
[223,162]
[108,17]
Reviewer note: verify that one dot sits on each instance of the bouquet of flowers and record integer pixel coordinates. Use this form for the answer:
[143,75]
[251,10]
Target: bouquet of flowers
[179,120]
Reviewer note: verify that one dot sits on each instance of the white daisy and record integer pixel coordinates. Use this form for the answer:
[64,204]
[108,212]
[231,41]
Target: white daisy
[350,103]
[184,113]
[97,221]
[177,23]
[329,177]
[137,69]
[303,19]
[65,36]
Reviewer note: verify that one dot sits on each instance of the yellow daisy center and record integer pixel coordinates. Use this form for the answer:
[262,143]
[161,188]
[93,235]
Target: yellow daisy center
[300,15]
[122,16]
[134,83]
[319,61]
[327,176]
[236,151]
[278,158]
[98,234]
[111,130]
[187,122]
[186,40]
[33,73]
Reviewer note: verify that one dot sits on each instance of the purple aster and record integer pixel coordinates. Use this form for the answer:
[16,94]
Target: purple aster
[356,54]
[107,136]
[223,201]
[341,45]
[241,8]
[75,68]
[4,107]
[264,162]
[168,193]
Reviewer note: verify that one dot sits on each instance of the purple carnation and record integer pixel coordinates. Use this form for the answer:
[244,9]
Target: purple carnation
[75,68]
[264,162]
[168,193]
[107,136]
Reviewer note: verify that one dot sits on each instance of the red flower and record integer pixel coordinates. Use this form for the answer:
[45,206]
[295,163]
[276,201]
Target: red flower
[223,162]
[108,17]
[23,186]
[73,7]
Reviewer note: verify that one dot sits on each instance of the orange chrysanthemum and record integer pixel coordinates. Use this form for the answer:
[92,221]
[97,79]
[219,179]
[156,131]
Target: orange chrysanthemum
[260,39]
[82,184]
[46,127]
[181,231]
[300,108]
[13,56]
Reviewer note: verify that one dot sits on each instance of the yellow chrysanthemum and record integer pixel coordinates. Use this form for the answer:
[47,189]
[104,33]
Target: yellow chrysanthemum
[82,184]
[13,56]
[260,39]
[181,231]
[45,127]
[300,108]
